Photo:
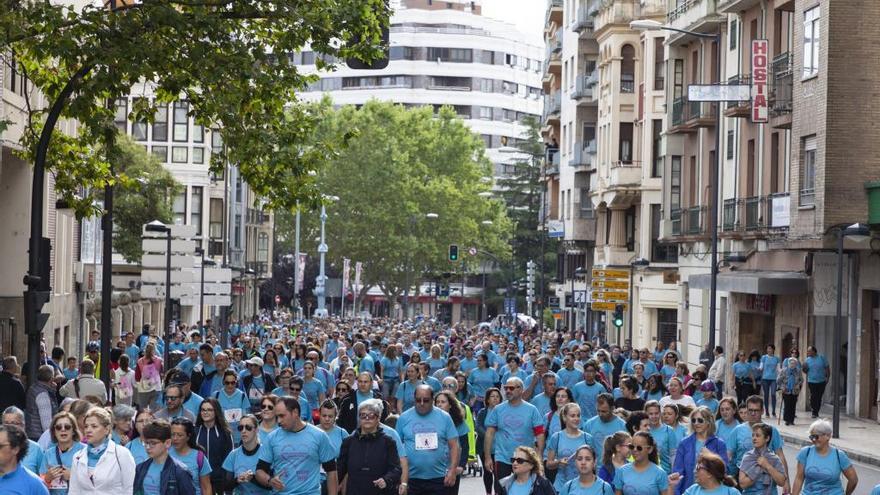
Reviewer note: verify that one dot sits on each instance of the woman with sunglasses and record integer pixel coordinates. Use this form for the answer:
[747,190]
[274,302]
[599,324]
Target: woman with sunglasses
[654,388]
[668,369]
[761,471]
[215,435]
[819,466]
[527,477]
[241,464]
[711,478]
[233,403]
[185,450]
[615,455]
[369,462]
[57,459]
[702,438]
[268,423]
[343,388]
[586,483]
[642,476]
[563,444]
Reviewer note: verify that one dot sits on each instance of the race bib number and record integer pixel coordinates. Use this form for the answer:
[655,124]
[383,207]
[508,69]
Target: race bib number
[232,415]
[255,394]
[426,441]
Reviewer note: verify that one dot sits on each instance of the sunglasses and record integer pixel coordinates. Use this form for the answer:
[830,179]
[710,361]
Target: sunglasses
[172,397]
[754,411]
[701,466]
[229,383]
[813,437]
[510,387]
[519,460]
[423,401]
[698,421]
[246,427]
[639,448]
[267,407]
[63,427]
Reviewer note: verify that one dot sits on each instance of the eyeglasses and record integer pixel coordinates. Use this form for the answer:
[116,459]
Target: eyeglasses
[295,389]
[172,397]
[698,421]
[813,437]
[63,427]
[368,415]
[423,401]
[152,443]
[246,427]
[753,411]
[511,387]
[449,385]
[519,460]
[342,390]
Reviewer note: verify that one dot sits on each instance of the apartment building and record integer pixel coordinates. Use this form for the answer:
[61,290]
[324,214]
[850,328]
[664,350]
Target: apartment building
[605,161]
[787,185]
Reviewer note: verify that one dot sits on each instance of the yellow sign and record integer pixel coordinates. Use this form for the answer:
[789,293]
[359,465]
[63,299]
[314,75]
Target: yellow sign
[610,284]
[606,306]
[599,295]
[608,273]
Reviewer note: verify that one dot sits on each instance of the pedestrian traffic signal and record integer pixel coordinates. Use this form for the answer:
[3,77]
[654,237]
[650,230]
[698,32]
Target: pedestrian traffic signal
[453,252]
[617,318]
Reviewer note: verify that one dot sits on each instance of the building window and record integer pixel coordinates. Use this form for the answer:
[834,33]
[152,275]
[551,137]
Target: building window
[678,79]
[196,205]
[160,152]
[586,204]
[659,67]
[216,141]
[656,148]
[811,42]
[626,142]
[630,222]
[808,172]
[181,121]
[627,69]
[448,82]
[460,55]
[263,247]
[198,133]
[178,208]
[675,183]
[198,155]
[139,129]
[661,252]
[730,140]
[667,326]
[733,33]
[178,154]
[121,116]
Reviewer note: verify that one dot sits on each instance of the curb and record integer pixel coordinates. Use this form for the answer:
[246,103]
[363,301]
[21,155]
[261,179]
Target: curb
[852,454]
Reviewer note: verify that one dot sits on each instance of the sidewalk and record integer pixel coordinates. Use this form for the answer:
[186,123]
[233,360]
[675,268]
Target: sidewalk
[858,438]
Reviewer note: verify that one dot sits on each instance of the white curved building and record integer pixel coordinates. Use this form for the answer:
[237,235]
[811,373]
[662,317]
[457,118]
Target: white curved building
[448,53]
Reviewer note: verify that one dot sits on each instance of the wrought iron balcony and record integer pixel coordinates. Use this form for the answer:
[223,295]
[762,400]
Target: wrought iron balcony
[675,220]
[728,215]
[583,23]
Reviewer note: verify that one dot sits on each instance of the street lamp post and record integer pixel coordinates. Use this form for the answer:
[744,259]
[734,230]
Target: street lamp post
[157,226]
[856,231]
[296,308]
[321,283]
[208,262]
[636,263]
[578,273]
[649,25]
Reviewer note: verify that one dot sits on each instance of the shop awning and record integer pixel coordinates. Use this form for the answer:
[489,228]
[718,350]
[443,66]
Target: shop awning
[754,282]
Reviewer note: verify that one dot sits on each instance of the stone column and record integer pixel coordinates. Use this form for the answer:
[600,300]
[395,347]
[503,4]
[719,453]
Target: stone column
[618,228]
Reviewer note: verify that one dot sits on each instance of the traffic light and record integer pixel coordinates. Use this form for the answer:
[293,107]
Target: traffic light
[39,290]
[377,64]
[617,318]
[453,252]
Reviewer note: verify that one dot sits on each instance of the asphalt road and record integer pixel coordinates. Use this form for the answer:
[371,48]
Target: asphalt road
[869,476]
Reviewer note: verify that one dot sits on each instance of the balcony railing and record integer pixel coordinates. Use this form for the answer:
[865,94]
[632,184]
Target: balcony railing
[728,215]
[738,108]
[781,85]
[259,267]
[694,220]
[782,65]
[256,217]
[581,157]
[552,106]
[807,197]
[582,88]
[583,22]
[627,86]
[779,210]
[675,220]
[754,213]
[701,113]
[551,163]
[678,111]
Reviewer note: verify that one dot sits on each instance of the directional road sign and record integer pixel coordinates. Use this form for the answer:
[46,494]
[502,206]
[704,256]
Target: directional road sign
[609,273]
[606,306]
[610,296]
[610,284]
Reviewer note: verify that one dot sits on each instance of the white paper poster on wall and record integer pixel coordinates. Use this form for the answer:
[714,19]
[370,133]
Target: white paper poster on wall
[825,285]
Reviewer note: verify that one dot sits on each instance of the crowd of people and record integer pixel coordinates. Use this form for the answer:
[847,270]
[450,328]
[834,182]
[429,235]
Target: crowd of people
[407,407]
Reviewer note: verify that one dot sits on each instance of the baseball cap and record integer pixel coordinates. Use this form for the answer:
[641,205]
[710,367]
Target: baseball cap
[255,361]
[93,347]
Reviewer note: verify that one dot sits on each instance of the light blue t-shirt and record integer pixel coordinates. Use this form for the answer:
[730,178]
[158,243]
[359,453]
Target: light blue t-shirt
[191,461]
[876,490]
[153,479]
[822,473]
[768,365]
[651,481]
[696,489]
[367,364]
[234,407]
[542,402]
[665,440]
[238,462]
[816,366]
[742,438]
[138,452]
[34,457]
[517,488]
[564,447]
[467,364]
[426,440]
[51,458]
[406,392]
[599,487]
[391,367]
[297,458]
[313,389]
[481,379]
[711,403]
[391,432]
[725,431]
[585,395]
[568,378]
[600,430]
[515,426]
[741,370]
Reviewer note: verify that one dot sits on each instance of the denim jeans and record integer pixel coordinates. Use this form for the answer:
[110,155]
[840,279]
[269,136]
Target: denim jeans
[389,387]
[769,387]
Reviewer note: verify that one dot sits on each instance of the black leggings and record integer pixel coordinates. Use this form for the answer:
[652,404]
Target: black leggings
[488,480]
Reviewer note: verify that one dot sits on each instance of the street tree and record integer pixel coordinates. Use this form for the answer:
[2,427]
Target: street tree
[230,60]
[398,166]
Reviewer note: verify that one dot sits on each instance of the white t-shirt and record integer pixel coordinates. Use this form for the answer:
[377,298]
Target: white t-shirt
[684,400]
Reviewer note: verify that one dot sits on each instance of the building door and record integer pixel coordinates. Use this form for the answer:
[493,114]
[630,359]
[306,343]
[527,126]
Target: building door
[755,331]
[667,326]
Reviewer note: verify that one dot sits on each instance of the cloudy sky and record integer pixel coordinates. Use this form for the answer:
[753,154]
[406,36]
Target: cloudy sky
[527,15]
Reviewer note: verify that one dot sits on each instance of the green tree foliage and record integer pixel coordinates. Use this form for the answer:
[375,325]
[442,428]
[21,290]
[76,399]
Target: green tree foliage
[228,59]
[522,193]
[145,198]
[400,165]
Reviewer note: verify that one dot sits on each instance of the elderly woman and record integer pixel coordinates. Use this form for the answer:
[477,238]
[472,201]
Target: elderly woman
[702,437]
[123,424]
[528,475]
[369,463]
[103,467]
[819,466]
